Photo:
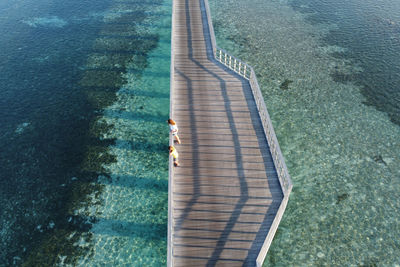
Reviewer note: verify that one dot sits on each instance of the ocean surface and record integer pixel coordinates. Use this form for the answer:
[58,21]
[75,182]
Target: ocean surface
[329,73]
[84,99]
[84,96]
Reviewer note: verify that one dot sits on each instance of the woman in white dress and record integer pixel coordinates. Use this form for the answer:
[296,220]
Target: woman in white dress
[173,129]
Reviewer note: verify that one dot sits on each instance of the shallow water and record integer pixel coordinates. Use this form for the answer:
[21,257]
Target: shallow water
[84,100]
[131,221]
[340,141]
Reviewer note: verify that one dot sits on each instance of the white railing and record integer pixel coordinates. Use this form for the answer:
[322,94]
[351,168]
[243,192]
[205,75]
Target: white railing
[233,63]
[279,161]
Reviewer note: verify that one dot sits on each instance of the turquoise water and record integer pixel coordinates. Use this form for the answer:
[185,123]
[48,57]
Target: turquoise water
[131,211]
[334,102]
[84,99]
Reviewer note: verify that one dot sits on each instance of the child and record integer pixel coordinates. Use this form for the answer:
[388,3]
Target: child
[174,153]
[173,128]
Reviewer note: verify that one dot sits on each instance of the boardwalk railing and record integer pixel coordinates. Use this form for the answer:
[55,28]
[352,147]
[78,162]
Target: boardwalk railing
[248,73]
[233,63]
[279,161]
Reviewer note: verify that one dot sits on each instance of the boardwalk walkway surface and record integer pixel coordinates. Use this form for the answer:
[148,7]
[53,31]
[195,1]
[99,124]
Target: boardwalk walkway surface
[226,193]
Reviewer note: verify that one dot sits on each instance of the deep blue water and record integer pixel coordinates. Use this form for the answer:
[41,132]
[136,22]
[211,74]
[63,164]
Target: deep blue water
[52,94]
[44,117]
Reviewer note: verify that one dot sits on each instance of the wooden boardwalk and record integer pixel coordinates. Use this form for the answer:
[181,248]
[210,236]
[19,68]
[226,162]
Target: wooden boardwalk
[226,193]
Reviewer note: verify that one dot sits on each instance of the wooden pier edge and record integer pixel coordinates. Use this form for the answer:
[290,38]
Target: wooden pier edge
[210,27]
[170,236]
[268,240]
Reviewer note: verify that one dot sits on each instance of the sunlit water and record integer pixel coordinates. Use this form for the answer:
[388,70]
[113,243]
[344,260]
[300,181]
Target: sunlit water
[329,74]
[84,99]
[131,217]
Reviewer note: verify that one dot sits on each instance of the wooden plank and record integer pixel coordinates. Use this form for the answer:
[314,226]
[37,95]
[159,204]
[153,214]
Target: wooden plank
[196,261]
[222,199]
[205,252]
